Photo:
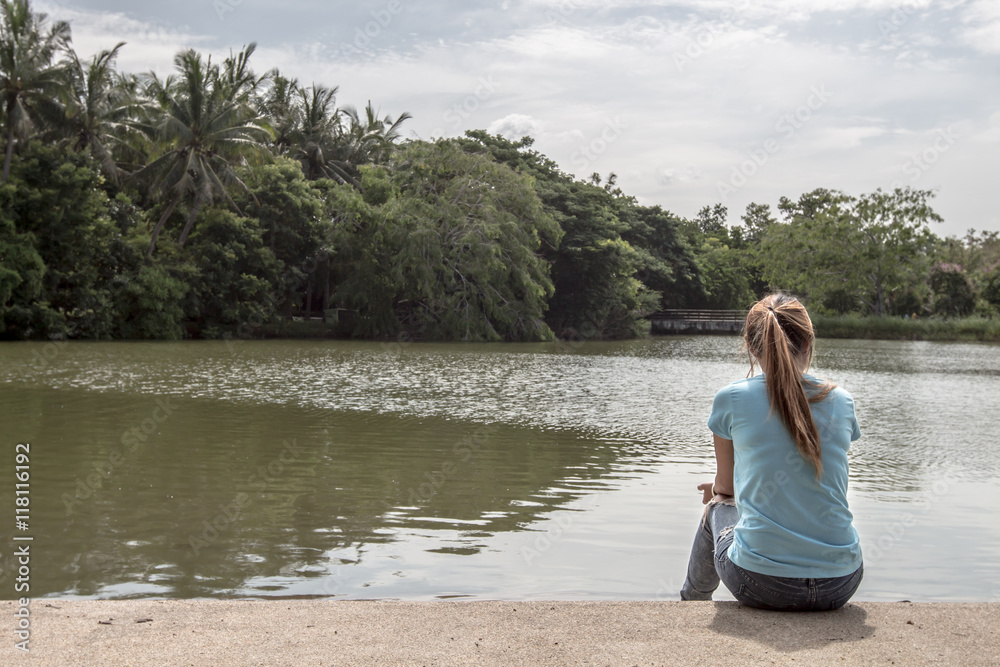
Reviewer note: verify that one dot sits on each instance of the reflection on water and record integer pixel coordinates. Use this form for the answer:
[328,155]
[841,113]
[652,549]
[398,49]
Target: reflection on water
[501,471]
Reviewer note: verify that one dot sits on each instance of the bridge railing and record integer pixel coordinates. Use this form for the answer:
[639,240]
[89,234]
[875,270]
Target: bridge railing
[693,315]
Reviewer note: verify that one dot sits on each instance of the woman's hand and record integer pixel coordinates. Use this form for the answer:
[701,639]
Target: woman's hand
[709,492]
[706,492]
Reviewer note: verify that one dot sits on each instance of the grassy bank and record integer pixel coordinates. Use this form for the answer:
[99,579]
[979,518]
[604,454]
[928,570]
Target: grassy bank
[897,328]
[827,326]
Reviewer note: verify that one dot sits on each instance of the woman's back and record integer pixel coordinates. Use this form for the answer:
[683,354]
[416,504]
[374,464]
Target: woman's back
[777,528]
[791,524]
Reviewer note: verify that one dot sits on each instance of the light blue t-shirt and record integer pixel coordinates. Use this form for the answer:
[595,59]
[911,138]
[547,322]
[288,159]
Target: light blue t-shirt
[790,525]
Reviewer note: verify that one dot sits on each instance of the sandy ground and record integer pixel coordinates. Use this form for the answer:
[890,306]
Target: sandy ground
[327,632]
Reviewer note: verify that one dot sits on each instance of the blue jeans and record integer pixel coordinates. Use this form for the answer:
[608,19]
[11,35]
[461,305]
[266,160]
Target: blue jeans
[709,563]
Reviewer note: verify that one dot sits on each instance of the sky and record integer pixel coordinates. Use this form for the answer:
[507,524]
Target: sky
[691,103]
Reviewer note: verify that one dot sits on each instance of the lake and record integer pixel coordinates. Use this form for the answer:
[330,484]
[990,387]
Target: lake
[365,470]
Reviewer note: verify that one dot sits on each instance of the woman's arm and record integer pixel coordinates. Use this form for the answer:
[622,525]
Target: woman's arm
[723,485]
[723,466]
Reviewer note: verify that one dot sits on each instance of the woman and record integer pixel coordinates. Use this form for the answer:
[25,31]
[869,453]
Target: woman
[777,529]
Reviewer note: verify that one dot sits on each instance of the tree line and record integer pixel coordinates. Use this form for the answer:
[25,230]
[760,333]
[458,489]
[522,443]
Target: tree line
[217,200]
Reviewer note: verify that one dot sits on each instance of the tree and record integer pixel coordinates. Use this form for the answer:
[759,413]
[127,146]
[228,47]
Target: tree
[990,290]
[232,275]
[712,220]
[667,264]
[725,279]
[21,272]
[317,132]
[367,140]
[208,128]
[100,111]
[31,84]
[873,246]
[150,307]
[757,220]
[295,226]
[597,294]
[954,295]
[279,105]
[56,202]
[446,247]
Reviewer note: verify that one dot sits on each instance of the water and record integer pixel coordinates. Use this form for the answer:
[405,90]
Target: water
[422,471]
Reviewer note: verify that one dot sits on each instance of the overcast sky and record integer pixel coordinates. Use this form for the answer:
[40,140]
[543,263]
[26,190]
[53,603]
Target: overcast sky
[690,103]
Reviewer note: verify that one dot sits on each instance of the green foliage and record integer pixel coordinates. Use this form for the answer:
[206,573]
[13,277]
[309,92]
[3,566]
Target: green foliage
[874,246]
[149,306]
[594,268]
[293,220]
[32,81]
[367,238]
[205,126]
[667,264]
[231,273]
[21,273]
[757,221]
[954,295]
[301,206]
[55,199]
[726,280]
[453,256]
[906,328]
[991,286]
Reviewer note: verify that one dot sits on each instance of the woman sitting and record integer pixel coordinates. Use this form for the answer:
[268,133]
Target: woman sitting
[777,529]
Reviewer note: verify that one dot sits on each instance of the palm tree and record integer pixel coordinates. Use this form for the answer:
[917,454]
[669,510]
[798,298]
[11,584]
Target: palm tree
[279,104]
[207,128]
[99,115]
[319,126]
[237,81]
[369,140]
[31,84]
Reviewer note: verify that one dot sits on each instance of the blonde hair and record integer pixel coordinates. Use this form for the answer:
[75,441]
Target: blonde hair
[779,334]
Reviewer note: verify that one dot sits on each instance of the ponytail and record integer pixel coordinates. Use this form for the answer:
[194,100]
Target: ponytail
[779,334]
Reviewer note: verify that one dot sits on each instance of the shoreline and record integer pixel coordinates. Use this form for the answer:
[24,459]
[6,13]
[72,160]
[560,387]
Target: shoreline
[337,632]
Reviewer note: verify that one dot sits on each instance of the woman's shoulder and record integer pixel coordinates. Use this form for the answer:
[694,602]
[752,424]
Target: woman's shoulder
[743,384]
[838,393]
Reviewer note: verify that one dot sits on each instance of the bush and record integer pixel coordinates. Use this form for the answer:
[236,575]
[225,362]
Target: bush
[903,328]
[954,295]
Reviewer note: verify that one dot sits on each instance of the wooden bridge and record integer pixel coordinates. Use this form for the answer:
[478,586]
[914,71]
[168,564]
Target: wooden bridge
[687,321]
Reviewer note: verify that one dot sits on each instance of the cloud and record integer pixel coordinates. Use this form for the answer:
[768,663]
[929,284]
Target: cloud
[149,45]
[514,126]
[982,25]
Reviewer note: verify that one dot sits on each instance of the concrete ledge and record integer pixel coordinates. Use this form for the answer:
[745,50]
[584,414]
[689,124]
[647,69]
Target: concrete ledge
[330,632]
